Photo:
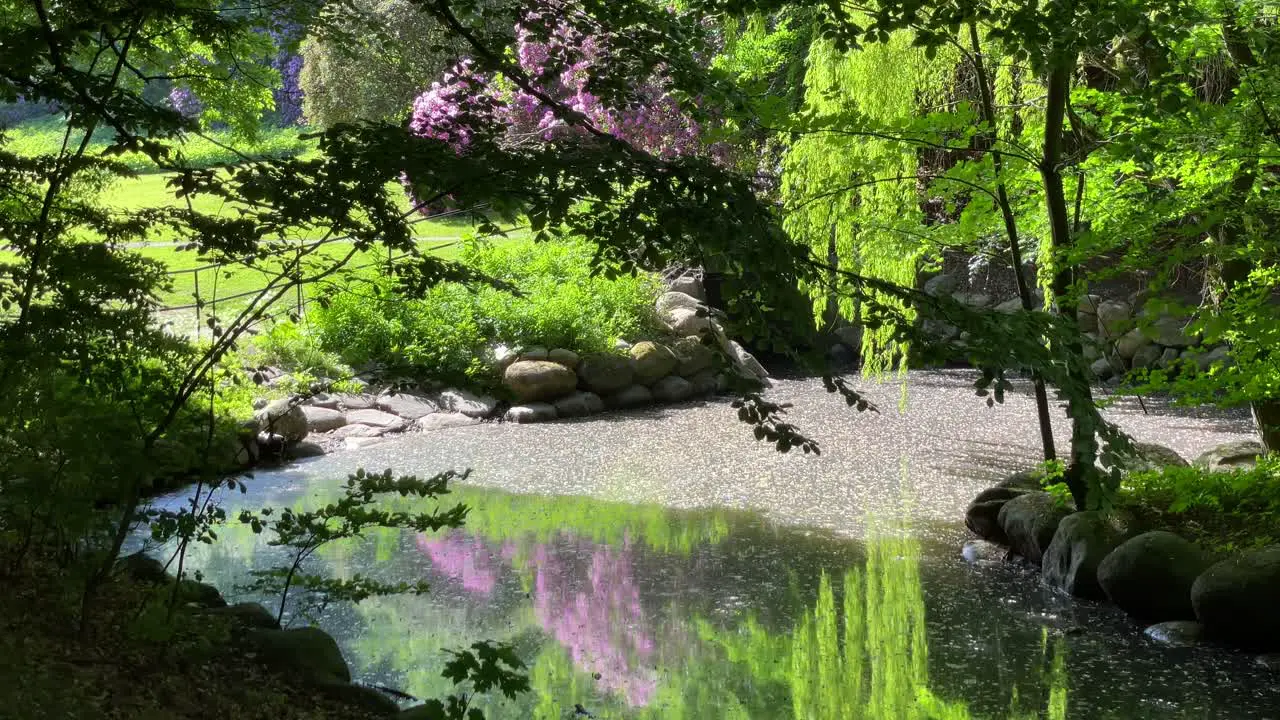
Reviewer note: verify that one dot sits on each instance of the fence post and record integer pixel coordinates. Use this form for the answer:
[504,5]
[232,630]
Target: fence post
[195,273]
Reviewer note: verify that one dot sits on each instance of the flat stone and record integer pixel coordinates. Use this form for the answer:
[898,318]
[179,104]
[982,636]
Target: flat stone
[306,449]
[467,403]
[406,405]
[376,418]
[672,388]
[532,412]
[534,353]
[321,420]
[629,397]
[1175,633]
[539,380]
[579,404]
[355,430]
[567,358]
[356,401]
[983,552]
[442,420]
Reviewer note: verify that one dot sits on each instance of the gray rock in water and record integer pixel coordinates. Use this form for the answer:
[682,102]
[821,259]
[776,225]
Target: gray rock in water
[1024,479]
[1151,456]
[705,382]
[983,552]
[283,417]
[199,594]
[606,373]
[1215,356]
[1128,344]
[672,388]
[1071,561]
[308,652]
[940,285]
[306,449]
[1029,522]
[442,420]
[983,514]
[1268,661]
[1175,633]
[567,358]
[406,405]
[629,397]
[1105,368]
[653,361]
[1148,357]
[384,421]
[356,401]
[467,403]
[322,420]
[358,430]
[1150,576]
[693,356]
[579,404]
[1228,456]
[1238,599]
[534,380]
[531,412]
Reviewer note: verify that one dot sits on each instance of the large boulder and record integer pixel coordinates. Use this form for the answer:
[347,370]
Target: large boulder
[1169,331]
[579,404]
[406,405]
[983,514]
[631,396]
[606,373]
[1029,522]
[672,388]
[705,382]
[669,301]
[565,357]
[689,285]
[940,285]
[322,420]
[1071,561]
[1150,456]
[1232,455]
[534,380]
[308,652]
[1238,599]
[283,417]
[467,403]
[694,356]
[1128,344]
[141,567]
[373,702]
[382,421]
[1150,576]
[1115,317]
[653,361]
[1148,357]
[683,321]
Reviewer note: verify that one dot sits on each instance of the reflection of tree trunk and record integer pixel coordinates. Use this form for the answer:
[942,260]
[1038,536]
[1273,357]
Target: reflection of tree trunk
[1011,231]
[1084,444]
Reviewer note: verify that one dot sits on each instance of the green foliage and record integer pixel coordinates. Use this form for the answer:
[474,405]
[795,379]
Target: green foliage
[1227,509]
[288,346]
[486,666]
[536,294]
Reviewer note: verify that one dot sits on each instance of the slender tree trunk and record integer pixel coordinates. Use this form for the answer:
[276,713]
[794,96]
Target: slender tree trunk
[1084,442]
[990,143]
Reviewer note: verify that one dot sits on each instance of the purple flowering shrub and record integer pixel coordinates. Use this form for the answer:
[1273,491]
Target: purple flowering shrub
[185,102]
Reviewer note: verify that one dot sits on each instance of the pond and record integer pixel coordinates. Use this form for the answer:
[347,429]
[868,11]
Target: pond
[661,564]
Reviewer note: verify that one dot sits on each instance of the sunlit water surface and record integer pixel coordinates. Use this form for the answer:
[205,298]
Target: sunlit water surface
[661,564]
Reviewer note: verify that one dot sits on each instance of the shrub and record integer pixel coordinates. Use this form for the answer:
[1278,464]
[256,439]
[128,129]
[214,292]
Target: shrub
[1222,509]
[444,335]
[285,345]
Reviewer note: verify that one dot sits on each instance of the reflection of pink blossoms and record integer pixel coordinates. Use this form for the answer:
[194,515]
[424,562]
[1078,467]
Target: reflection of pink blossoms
[462,558]
[599,621]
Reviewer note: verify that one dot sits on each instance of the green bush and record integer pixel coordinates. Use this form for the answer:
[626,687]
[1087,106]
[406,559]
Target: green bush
[445,334]
[286,345]
[1222,509]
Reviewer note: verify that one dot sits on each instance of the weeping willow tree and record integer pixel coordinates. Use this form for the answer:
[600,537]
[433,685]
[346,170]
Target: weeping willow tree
[853,197]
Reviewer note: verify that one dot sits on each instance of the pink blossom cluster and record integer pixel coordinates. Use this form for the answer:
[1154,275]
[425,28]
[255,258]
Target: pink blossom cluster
[462,558]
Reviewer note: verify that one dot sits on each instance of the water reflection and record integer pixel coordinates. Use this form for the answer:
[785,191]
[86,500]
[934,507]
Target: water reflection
[642,612]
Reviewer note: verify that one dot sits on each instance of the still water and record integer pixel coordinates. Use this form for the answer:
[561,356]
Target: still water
[635,590]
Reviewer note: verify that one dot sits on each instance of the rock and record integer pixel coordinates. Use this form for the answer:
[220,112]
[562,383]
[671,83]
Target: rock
[1238,599]
[1128,345]
[1148,357]
[940,330]
[1206,360]
[672,388]
[1232,455]
[692,355]
[606,373]
[384,421]
[689,285]
[940,285]
[532,412]
[1168,358]
[1150,456]
[367,699]
[1150,576]
[501,356]
[141,567]
[1268,661]
[406,405]
[746,362]
[322,420]
[973,299]
[621,344]
[249,615]
[284,418]
[567,358]
[1029,521]
[199,594]
[1102,369]
[669,301]
[983,514]
[534,353]
[356,401]
[1012,305]
[324,400]
[308,652]
[467,403]
[1082,540]
[1091,348]
[1025,479]
[1088,305]
[533,380]
[840,355]
[1115,318]
[579,404]
[271,445]
[683,321]
[360,443]
[358,430]
[1170,331]
[442,420]
[1175,633]
[705,382]
[983,552]
[850,335]
[306,449]
[629,397]
[652,361]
